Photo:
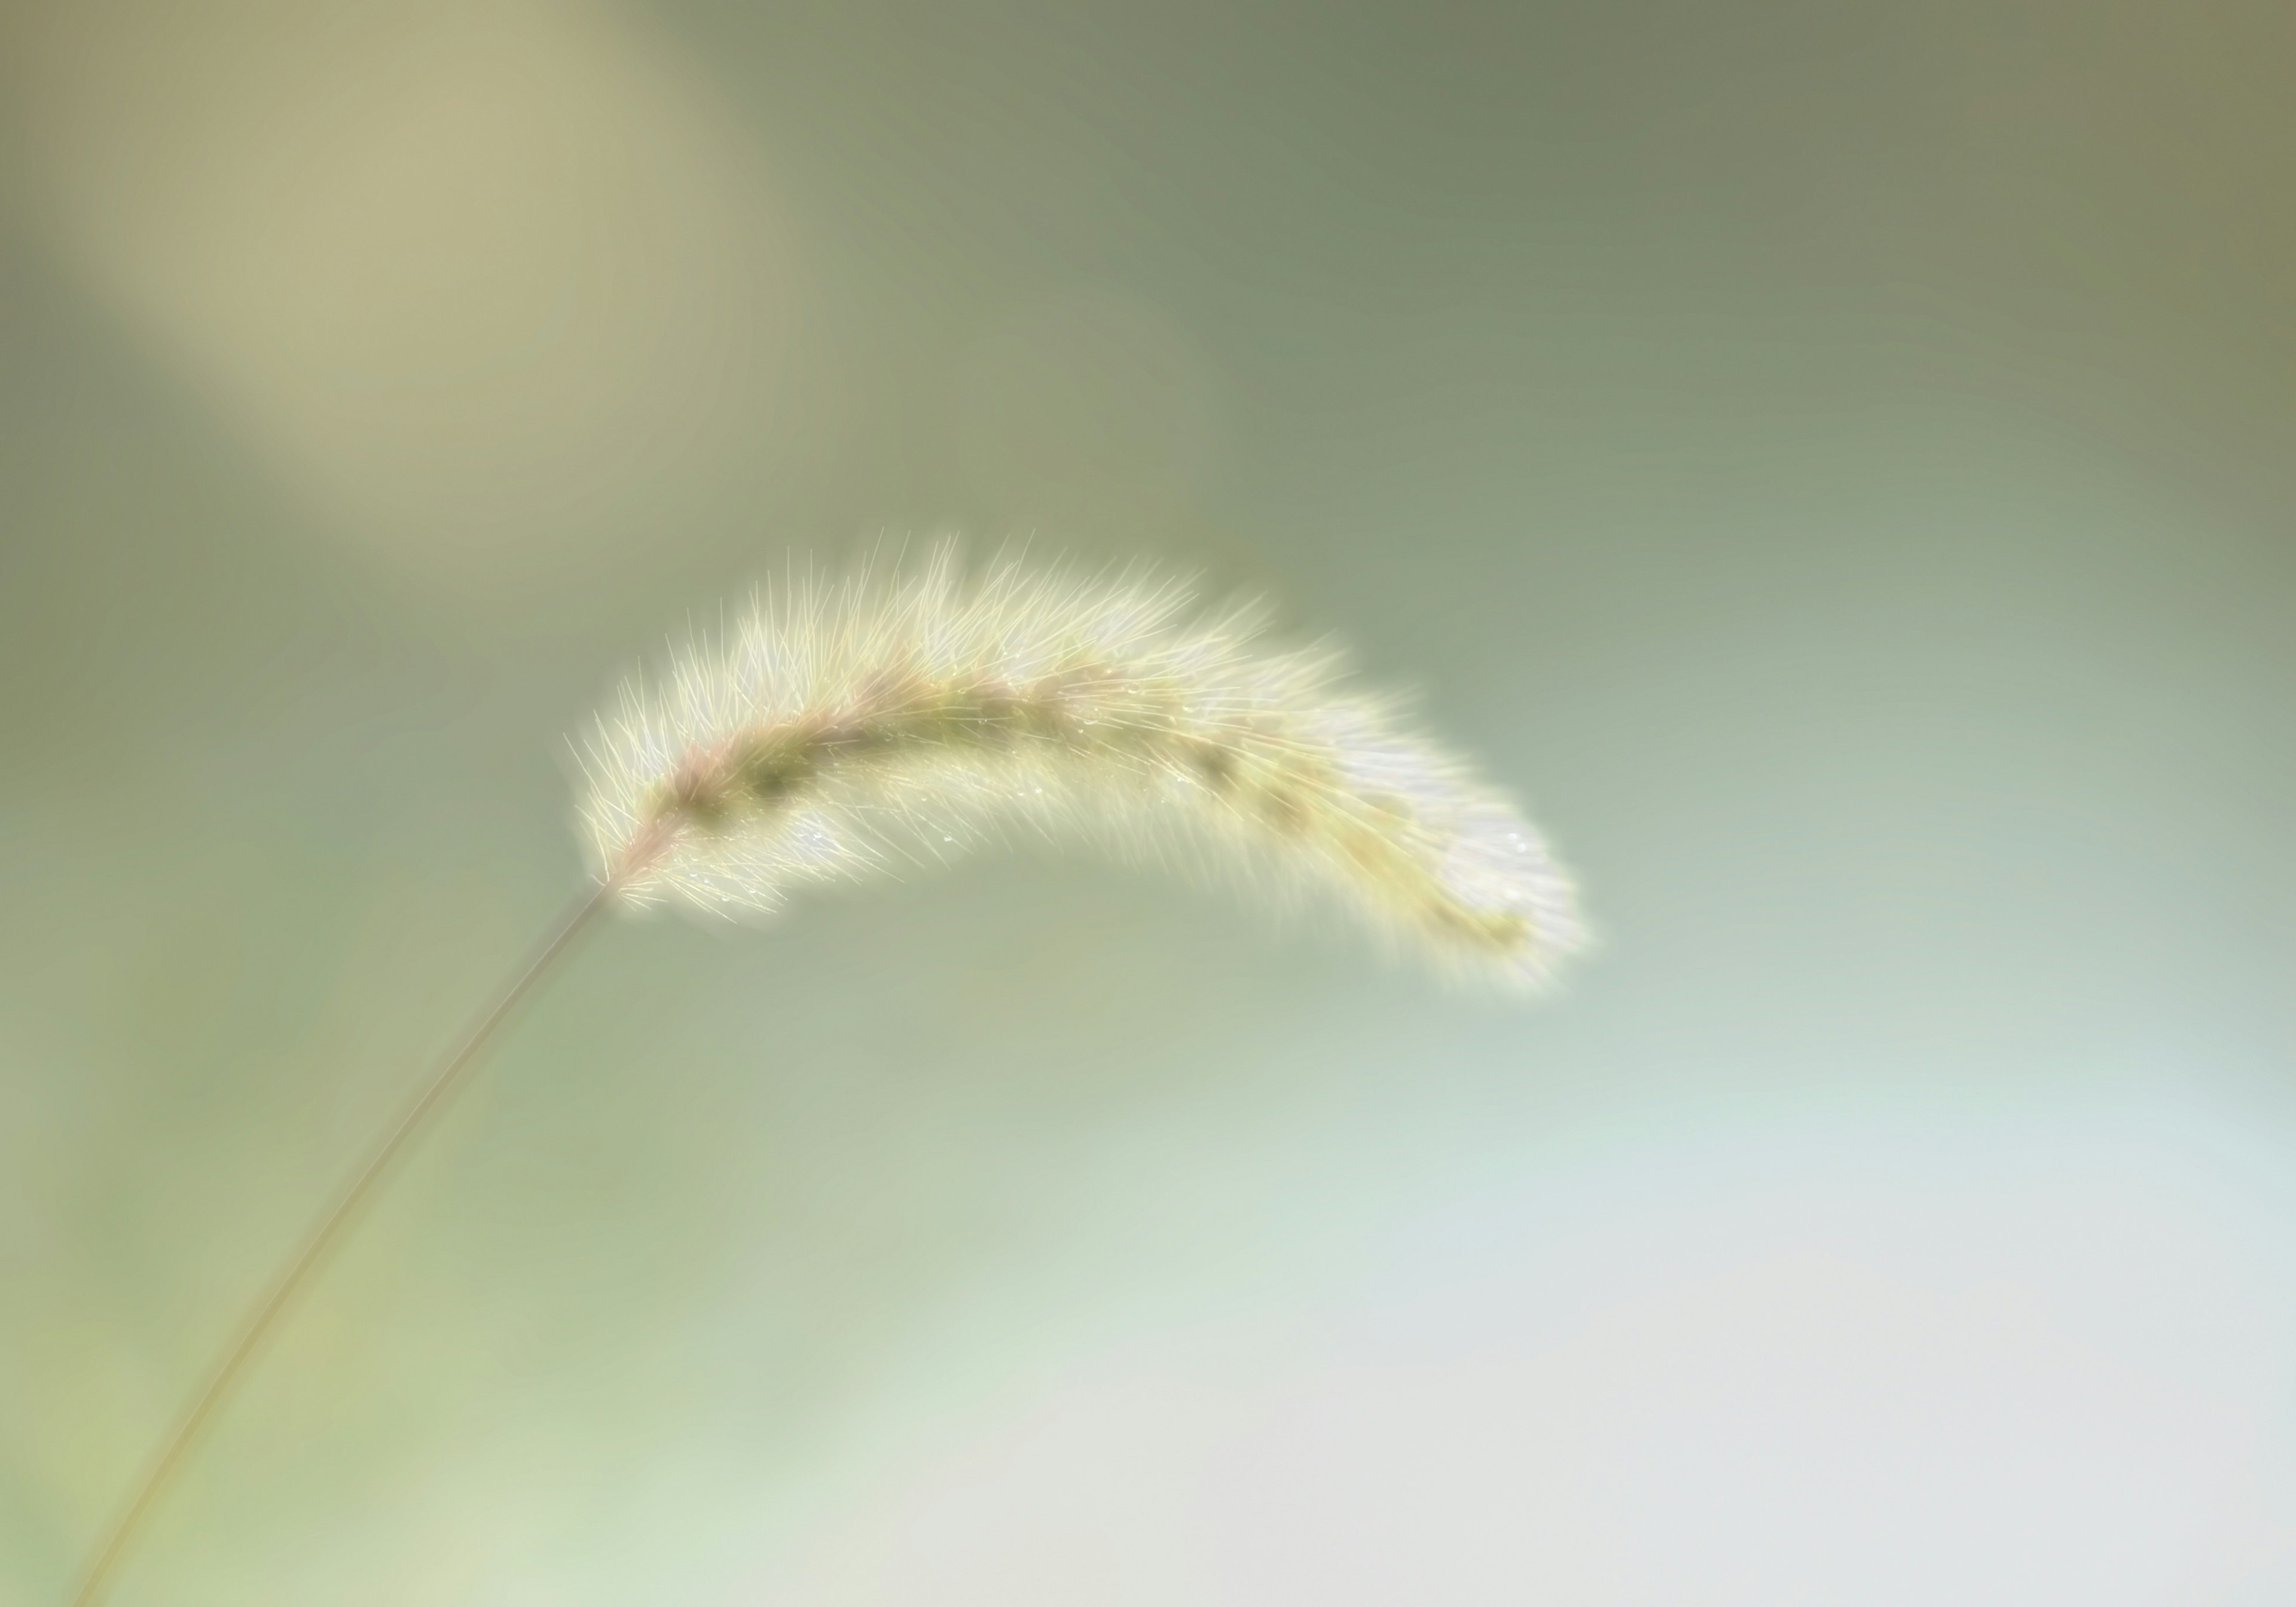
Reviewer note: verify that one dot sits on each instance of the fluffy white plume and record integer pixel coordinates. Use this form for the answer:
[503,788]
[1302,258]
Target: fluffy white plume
[899,716]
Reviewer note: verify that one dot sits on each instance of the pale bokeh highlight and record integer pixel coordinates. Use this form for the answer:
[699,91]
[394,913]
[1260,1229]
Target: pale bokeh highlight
[1879,1358]
[481,282]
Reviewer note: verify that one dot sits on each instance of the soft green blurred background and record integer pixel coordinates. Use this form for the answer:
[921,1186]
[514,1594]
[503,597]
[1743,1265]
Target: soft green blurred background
[1837,462]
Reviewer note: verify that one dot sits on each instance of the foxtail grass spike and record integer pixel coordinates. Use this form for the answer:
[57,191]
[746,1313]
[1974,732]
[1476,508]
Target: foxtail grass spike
[900,715]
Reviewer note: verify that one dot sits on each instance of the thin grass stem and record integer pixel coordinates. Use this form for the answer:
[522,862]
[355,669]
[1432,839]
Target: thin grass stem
[326,1234]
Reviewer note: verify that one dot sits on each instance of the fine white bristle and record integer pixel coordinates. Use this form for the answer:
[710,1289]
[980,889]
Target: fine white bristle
[902,714]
